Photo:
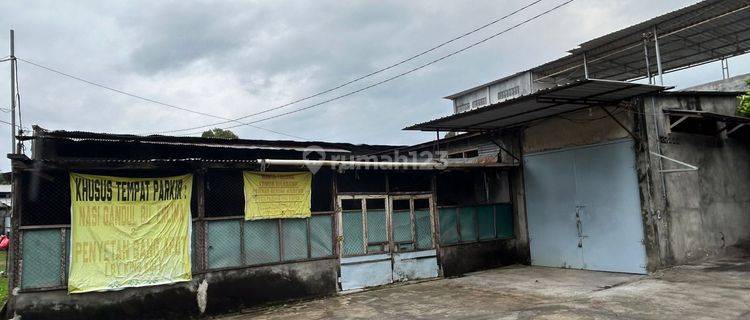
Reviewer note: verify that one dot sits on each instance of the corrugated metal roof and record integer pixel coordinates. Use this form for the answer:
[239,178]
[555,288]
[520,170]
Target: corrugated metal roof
[538,105]
[707,115]
[40,133]
[703,32]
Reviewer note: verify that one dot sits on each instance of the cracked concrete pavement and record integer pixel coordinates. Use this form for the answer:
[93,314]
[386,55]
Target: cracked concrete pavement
[716,289]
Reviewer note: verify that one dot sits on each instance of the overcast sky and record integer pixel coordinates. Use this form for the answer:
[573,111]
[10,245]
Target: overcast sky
[236,58]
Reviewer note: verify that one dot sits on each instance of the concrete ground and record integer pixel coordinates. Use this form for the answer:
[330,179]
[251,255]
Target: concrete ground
[719,289]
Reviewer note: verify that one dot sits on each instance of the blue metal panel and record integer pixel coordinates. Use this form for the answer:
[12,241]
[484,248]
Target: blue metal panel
[607,194]
[415,265]
[365,271]
[550,209]
[598,184]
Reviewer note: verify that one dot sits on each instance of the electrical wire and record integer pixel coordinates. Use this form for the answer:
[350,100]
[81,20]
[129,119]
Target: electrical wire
[379,82]
[132,95]
[10,124]
[378,71]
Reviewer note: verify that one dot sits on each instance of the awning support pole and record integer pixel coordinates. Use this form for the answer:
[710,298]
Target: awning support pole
[674,124]
[690,167]
[648,63]
[658,57]
[503,148]
[724,68]
[619,123]
[585,66]
[736,127]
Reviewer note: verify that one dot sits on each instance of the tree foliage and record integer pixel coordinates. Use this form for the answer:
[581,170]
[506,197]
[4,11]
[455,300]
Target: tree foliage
[744,107]
[219,133]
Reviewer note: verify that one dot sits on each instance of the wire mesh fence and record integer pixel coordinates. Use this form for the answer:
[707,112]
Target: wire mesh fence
[475,223]
[220,237]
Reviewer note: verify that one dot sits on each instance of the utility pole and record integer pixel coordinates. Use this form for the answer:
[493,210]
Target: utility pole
[12,94]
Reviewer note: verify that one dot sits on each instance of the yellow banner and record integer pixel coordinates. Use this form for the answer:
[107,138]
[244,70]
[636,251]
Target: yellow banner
[271,195]
[129,232]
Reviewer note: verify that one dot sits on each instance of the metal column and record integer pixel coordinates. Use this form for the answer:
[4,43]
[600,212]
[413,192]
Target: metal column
[658,57]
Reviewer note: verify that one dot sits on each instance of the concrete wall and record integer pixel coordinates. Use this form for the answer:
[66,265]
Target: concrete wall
[708,210]
[584,127]
[212,293]
[736,83]
[459,259]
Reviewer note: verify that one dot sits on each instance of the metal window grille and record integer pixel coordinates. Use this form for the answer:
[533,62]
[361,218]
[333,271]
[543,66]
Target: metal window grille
[475,223]
[467,224]
[321,236]
[402,226]
[448,225]
[224,244]
[377,233]
[262,242]
[486,222]
[353,234]
[294,238]
[42,259]
[504,220]
[423,229]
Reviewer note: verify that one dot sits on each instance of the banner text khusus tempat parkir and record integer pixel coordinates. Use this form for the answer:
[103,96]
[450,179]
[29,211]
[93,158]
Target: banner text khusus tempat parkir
[134,232]
[129,232]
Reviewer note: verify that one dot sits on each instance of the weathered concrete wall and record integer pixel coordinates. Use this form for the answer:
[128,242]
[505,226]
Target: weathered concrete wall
[709,209]
[223,291]
[736,83]
[459,259]
[584,127]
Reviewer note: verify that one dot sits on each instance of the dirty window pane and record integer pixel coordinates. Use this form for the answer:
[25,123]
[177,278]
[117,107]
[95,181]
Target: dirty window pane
[42,251]
[448,228]
[321,235]
[486,221]
[468,224]
[424,233]
[67,253]
[295,238]
[401,226]
[261,241]
[194,258]
[376,226]
[353,237]
[504,220]
[223,244]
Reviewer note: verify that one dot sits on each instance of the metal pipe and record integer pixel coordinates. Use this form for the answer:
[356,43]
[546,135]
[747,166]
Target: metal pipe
[361,164]
[658,57]
[658,149]
[585,67]
[648,63]
[12,94]
[690,167]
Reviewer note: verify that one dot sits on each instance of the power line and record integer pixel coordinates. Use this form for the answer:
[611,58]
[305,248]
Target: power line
[132,95]
[10,124]
[387,79]
[378,71]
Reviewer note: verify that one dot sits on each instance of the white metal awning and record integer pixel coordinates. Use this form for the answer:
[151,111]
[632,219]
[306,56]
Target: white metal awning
[539,105]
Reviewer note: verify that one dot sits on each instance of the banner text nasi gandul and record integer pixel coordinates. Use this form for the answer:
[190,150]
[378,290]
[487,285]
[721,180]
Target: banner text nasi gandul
[129,232]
